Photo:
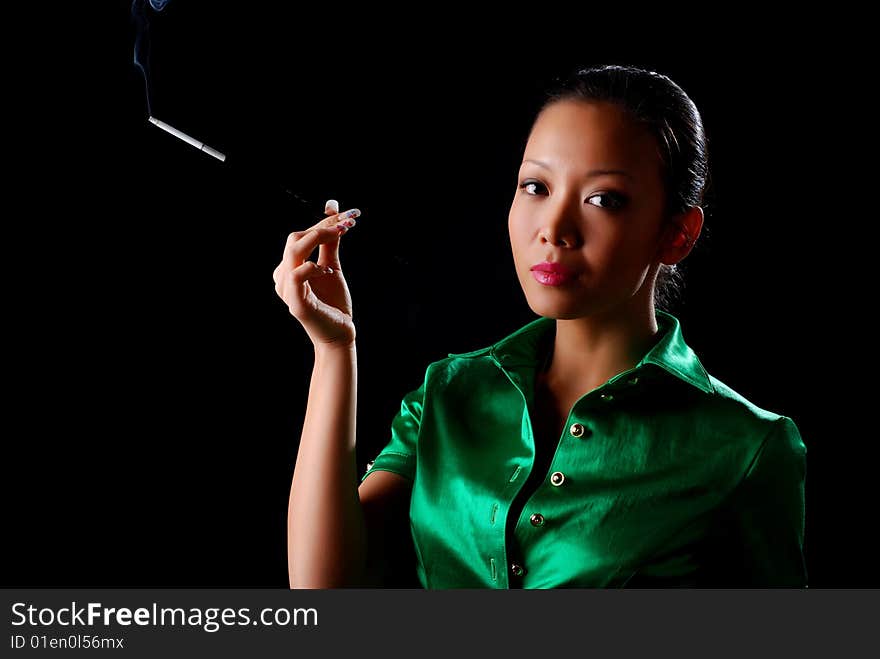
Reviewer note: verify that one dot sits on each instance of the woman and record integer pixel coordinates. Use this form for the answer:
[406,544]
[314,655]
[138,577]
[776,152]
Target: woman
[588,448]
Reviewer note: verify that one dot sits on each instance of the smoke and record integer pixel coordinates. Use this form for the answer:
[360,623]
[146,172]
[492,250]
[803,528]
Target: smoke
[140,16]
[141,19]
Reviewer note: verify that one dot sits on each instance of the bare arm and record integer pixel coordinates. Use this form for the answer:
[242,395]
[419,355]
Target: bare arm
[391,559]
[336,534]
[326,528]
[340,535]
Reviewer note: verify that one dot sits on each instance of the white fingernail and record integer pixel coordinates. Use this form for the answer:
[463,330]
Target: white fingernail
[332,206]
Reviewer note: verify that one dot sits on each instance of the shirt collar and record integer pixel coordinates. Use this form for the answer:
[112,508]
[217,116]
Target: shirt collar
[670,352]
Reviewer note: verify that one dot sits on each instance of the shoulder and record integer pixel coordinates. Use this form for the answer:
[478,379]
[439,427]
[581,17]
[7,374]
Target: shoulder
[519,347]
[758,430]
[470,355]
[458,365]
[728,400]
[484,367]
[713,409]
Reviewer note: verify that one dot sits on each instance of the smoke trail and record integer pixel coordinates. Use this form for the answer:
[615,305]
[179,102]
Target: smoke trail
[140,16]
[141,20]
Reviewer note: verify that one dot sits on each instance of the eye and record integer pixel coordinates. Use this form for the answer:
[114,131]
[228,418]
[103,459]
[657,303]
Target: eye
[613,201]
[528,186]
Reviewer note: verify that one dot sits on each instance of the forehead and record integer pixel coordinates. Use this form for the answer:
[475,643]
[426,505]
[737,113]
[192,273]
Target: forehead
[587,134]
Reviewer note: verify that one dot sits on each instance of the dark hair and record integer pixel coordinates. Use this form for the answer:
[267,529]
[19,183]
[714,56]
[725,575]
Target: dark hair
[662,106]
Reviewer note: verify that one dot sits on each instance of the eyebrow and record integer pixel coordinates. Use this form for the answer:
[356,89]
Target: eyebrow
[595,172]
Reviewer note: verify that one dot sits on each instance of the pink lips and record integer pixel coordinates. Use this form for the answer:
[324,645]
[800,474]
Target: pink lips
[552,274]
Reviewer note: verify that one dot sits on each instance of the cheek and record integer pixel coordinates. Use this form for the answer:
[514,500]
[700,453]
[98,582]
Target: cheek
[519,213]
[514,228]
[628,252]
[519,236]
[514,239]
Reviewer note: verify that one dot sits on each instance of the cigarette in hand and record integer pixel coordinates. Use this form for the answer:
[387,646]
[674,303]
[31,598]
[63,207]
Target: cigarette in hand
[201,146]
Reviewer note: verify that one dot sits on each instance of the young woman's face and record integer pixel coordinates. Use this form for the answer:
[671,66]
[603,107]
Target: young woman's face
[605,227]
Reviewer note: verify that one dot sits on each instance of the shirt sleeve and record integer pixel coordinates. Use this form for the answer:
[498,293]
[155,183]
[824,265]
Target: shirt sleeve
[765,515]
[399,454]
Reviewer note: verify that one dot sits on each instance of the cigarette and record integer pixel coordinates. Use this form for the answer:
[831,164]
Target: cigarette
[201,146]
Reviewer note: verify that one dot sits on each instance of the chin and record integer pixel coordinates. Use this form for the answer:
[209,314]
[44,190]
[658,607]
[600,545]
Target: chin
[563,308]
[563,303]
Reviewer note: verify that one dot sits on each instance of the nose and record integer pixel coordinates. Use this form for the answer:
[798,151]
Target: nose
[560,225]
[555,238]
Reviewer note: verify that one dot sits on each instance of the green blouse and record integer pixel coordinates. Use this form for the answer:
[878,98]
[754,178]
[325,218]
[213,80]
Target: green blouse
[664,476]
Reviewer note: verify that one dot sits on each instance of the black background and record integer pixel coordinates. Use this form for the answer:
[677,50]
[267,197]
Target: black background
[160,384]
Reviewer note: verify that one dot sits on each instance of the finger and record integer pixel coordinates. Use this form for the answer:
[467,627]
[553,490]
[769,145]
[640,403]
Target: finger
[300,244]
[289,283]
[293,289]
[328,253]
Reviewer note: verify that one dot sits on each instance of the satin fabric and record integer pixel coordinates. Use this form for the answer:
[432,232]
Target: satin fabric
[669,477]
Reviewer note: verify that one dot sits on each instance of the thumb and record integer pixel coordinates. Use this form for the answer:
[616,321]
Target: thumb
[307,271]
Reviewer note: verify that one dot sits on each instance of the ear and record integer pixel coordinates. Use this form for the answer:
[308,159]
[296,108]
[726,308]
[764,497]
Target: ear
[680,235]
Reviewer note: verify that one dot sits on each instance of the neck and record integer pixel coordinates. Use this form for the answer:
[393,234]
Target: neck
[589,351]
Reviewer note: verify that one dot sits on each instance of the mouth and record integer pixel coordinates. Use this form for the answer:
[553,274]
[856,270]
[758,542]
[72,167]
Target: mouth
[551,278]
[552,274]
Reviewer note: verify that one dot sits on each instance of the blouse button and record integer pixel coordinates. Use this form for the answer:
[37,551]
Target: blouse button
[576,430]
[607,397]
[557,478]
[537,519]
[633,380]
[517,570]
